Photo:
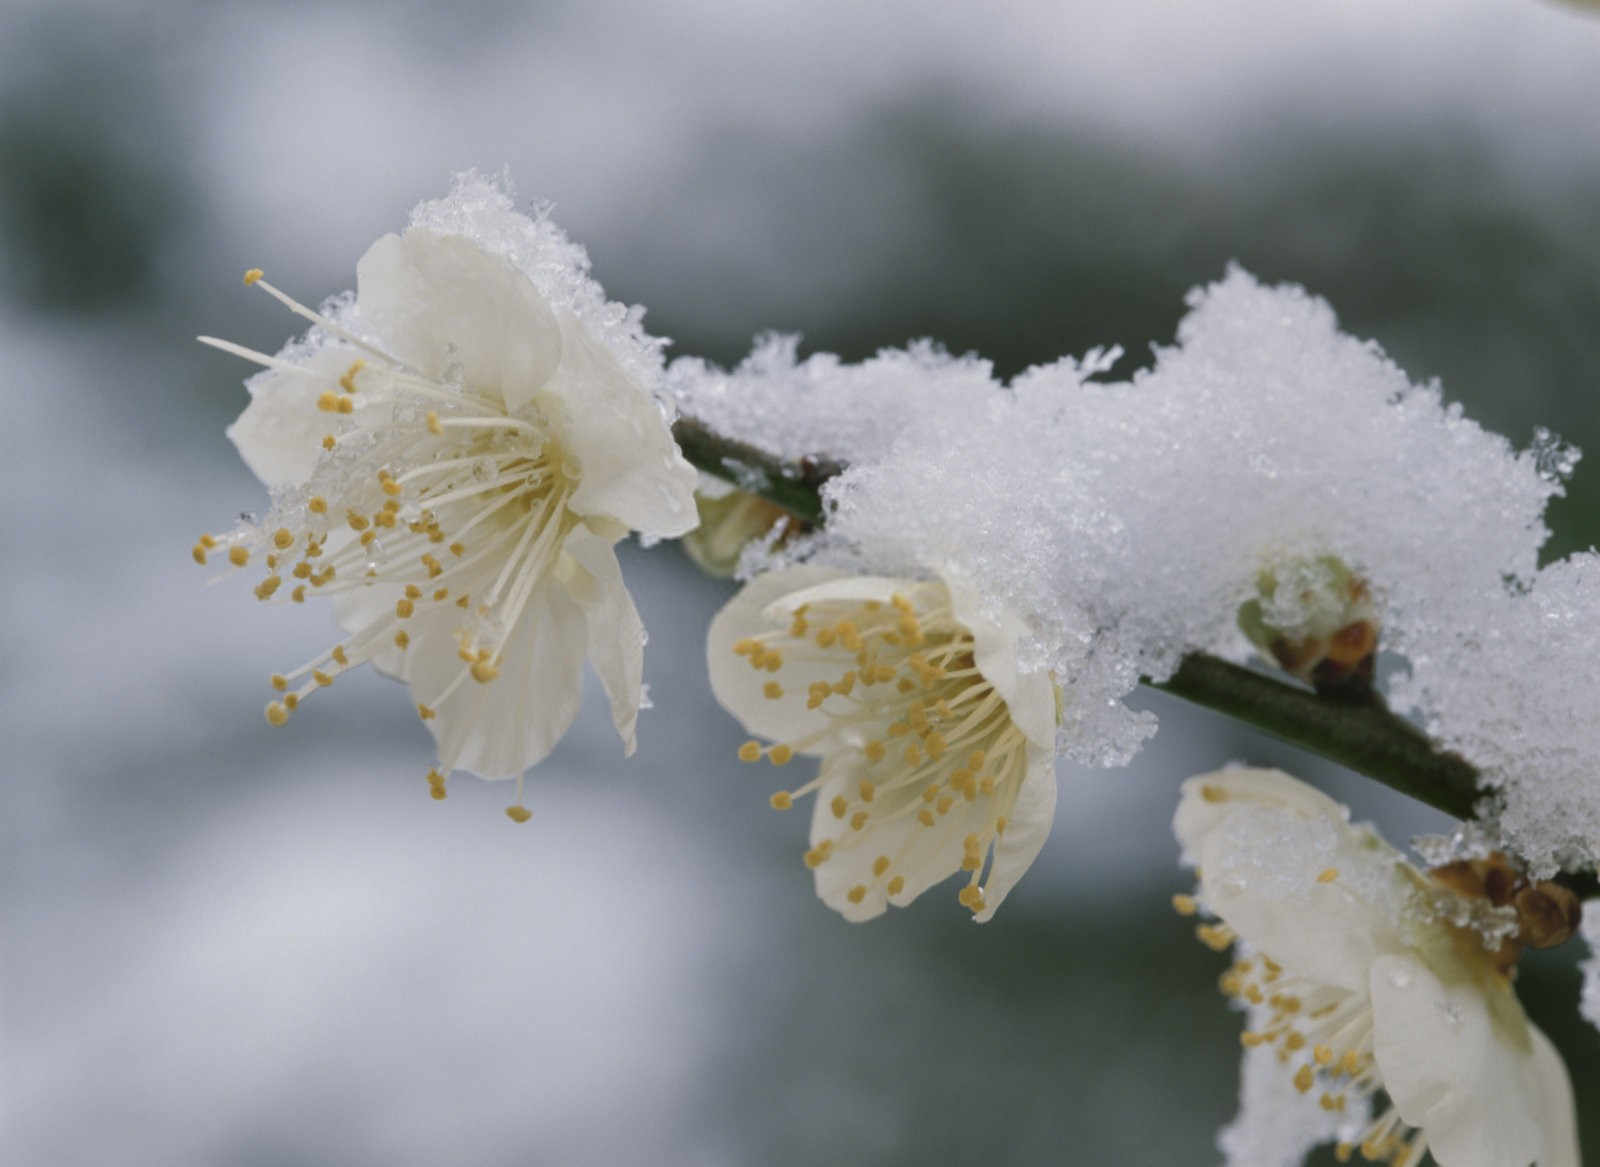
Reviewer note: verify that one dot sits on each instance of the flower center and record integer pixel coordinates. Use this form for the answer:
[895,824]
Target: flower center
[430,502]
[914,730]
[1323,1038]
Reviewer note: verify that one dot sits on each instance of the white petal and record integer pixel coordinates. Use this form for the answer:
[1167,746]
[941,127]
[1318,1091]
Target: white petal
[1459,1060]
[1557,1118]
[1031,697]
[630,467]
[1027,827]
[499,729]
[279,434]
[1207,798]
[615,632]
[1295,881]
[443,305]
[738,687]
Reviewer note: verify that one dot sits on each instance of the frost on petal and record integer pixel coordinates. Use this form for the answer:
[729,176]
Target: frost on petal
[1459,1060]
[615,632]
[1278,1125]
[1280,866]
[455,312]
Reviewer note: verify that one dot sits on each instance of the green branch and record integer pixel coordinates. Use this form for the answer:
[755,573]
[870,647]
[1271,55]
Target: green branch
[1363,734]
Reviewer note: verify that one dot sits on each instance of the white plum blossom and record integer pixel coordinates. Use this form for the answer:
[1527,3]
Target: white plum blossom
[1362,976]
[937,754]
[453,453]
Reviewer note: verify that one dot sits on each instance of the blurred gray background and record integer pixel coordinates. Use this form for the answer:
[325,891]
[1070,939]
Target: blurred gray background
[224,944]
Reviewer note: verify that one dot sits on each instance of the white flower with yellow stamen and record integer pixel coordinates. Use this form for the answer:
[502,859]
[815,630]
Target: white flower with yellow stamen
[453,453]
[1364,975]
[938,755]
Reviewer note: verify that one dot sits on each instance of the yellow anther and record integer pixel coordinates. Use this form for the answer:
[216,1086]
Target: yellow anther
[1212,793]
[1216,937]
[826,637]
[282,537]
[839,806]
[441,594]
[299,594]
[302,570]
[935,746]
[782,800]
[1295,1040]
[266,587]
[199,554]
[772,661]
[1328,875]
[413,592]
[970,843]
[384,519]
[347,405]
[291,701]
[905,684]
[930,792]
[856,894]
[317,505]
[845,684]
[944,804]
[321,678]
[1322,1055]
[402,639]
[1000,824]
[874,750]
[750,751]
[328,441]
[277,713]
[1350,1063]
[1250,1039]
[340,655]
[1184,905]
[1343,1151]
[971,862]
[357,521]
[484,671]
[348,381]
[880,865]
[971,897]
[913,755]
[403,608]
[458,549]
[780,754]
[426,713]
[518,813]
[898,729]
[976,759]
[1303,1079]
[328,402]
[238,556]
[925,817]
[772,690]
[391,487]
[987,785]
[280,682]
[463,601]
[897,885]
[867,789]
[859,820]
[252,276]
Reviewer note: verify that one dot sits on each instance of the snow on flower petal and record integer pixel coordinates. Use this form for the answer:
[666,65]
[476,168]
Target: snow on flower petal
[453,451]
[1362,974]
[925,768]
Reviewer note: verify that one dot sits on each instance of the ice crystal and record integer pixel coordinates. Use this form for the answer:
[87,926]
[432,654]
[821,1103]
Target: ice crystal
[1277,1124]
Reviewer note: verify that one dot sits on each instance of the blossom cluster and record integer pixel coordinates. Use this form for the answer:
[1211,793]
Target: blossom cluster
[454,449]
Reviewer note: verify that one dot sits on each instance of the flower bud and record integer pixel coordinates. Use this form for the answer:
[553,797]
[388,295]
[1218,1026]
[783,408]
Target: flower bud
[1316,619]
[730,519]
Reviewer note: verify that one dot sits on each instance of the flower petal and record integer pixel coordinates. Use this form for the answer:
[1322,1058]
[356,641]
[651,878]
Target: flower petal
[762,605]
[444,304]
[1027,827]
[1031,697]
[279,434]
[1280,866]
[499,729]
[631,468]
[1459,1060]
[615,632]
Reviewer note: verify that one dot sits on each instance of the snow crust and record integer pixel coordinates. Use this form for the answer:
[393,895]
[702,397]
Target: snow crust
[1277,1125]
[1128,520]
